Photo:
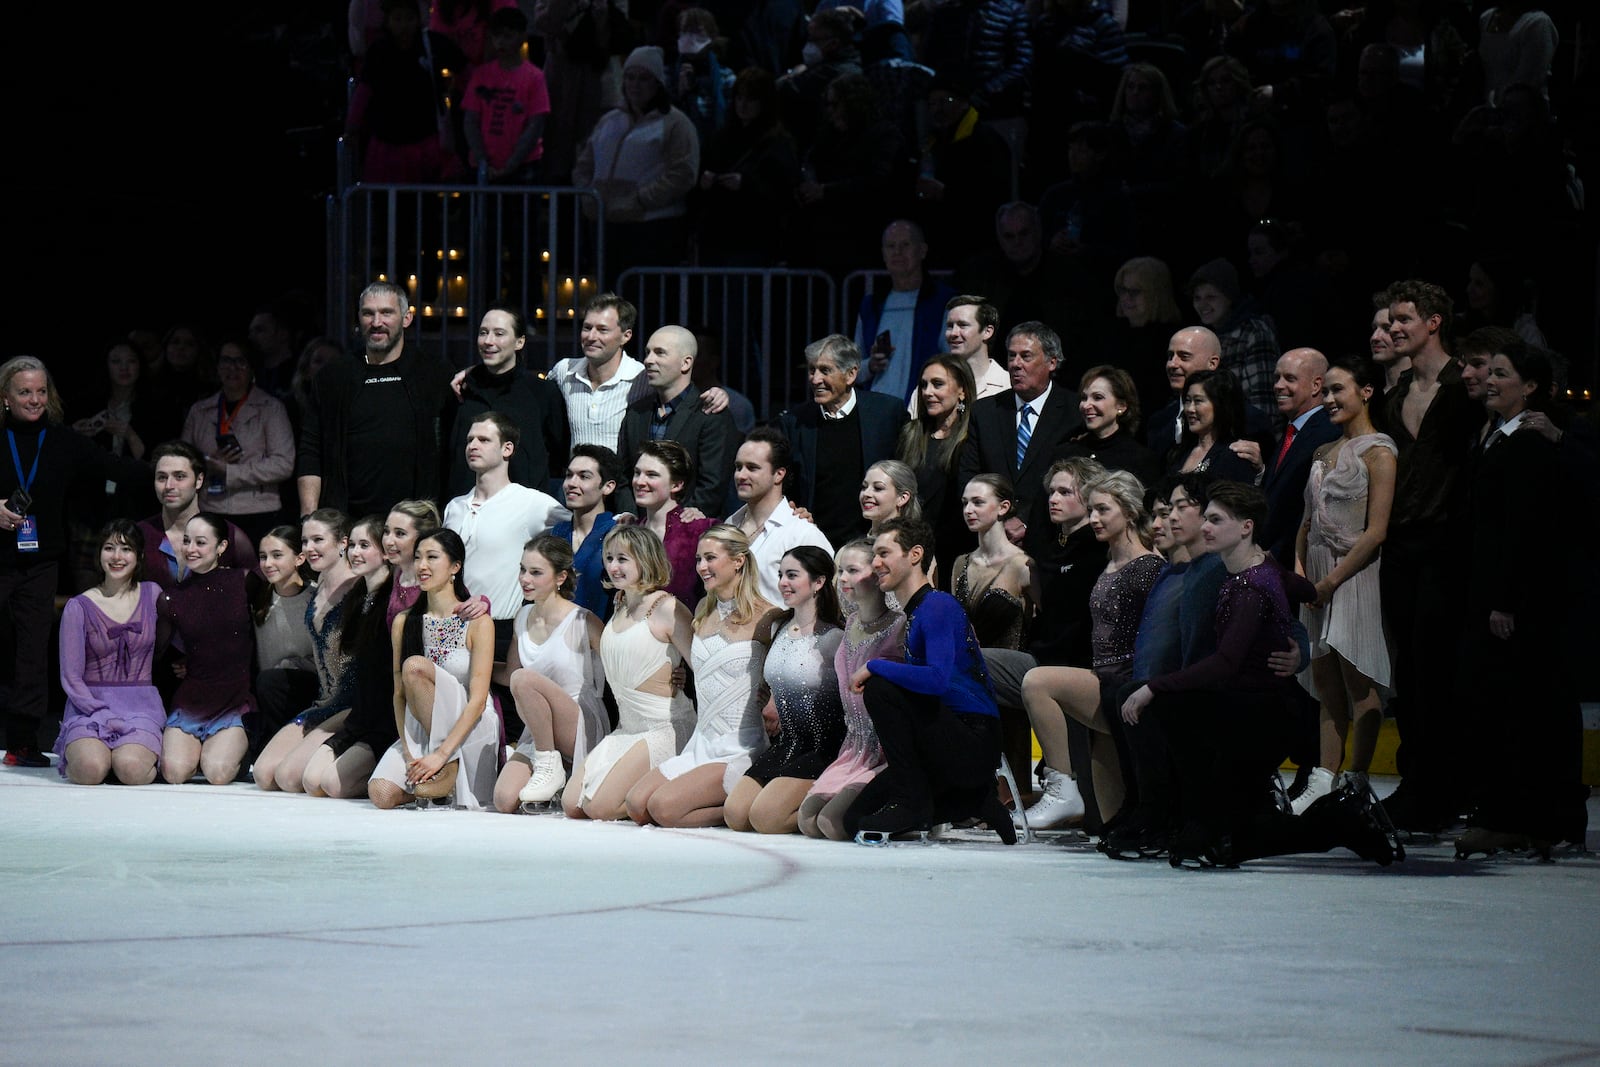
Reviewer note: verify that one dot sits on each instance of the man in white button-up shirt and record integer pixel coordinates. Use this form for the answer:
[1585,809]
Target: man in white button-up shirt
[759,469]
[601,383]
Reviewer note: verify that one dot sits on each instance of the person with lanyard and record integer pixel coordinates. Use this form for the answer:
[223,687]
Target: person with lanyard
[244,433]
[45,464]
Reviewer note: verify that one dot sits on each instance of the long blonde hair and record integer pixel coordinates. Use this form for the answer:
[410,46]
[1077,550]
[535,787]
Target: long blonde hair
[748,603]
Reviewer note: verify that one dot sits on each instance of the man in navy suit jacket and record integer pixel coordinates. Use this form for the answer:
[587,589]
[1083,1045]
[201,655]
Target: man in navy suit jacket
[836,436]
[1033,352]
[1298,390]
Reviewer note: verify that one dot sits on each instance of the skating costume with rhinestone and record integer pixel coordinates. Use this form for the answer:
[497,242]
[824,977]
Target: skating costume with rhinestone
[210,619]
[999,617]
[567,659]
[860,755]
[1352,622]
[633,657]
[728,727]
[105,672]
[444,641]
[800,673]
[336,682]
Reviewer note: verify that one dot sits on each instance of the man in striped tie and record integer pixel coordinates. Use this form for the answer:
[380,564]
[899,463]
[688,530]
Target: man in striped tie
[1021,431]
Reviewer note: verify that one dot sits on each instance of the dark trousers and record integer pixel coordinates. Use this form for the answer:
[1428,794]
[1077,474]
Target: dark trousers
[28,593]
[1153,780]
[281,694]
[941,764]
[1423,600]
[1223,747]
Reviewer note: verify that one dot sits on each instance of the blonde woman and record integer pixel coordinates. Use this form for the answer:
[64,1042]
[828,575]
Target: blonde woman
[649,635]
[732,630]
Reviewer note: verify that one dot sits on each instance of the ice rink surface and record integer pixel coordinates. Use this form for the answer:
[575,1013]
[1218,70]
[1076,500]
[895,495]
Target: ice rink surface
[221,925]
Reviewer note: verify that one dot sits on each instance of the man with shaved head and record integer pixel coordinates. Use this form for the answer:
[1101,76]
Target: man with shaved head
[1192,349]
[1297,388]
[673,412]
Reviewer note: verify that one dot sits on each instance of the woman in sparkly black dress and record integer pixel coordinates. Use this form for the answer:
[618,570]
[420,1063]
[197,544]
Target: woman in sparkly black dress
[805,704]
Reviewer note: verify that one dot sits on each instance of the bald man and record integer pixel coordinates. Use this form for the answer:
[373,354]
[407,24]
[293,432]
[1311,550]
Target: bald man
[1297,388]
[672,412]
[1193,349]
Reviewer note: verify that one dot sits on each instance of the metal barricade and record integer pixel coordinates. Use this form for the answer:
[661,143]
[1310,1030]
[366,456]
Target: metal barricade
[854,289]
[756,323]
[459,248]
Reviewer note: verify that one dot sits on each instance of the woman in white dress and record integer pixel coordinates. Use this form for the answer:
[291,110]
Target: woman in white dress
[649,635]
[553,671]
[1348,499]
[732,629]
[449,733]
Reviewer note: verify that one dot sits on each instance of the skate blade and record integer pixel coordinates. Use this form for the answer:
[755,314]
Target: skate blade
[541,807]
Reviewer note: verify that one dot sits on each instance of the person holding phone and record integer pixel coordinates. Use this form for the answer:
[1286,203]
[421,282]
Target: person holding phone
[247,440]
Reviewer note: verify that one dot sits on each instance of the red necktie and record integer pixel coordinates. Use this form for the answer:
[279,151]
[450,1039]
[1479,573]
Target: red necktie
[1288,439]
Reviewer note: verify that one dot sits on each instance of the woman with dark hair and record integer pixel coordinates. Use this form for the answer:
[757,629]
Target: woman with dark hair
[750,169]
[1213,419]
[1348,499]
[1499,295]
[660,474]
[805,715]
[643,158]
[113,717]
[853,179]
[245,436]
[1110,410]
[185,370]
[449,732]
[931,444]
[208,617]
[1521,689]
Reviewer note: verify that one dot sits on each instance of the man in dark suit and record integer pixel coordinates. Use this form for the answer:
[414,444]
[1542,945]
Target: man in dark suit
[673,413]
[1298,390]
[1191,349]
[1020,432]
[836,436]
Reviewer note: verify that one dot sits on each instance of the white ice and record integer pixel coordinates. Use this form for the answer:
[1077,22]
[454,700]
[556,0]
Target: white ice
[221,925]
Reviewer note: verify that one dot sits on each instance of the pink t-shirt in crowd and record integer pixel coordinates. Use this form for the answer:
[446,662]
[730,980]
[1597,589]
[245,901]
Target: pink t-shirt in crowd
[507,100]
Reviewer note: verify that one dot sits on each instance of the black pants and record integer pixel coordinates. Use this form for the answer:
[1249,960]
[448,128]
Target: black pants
[1422,598]
[28,592]
[941,763]
[281,694]
[1223,747]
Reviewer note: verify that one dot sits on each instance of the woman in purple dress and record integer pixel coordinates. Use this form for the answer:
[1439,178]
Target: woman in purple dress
[873,630]
[113,718]
[207,615]
[659,476]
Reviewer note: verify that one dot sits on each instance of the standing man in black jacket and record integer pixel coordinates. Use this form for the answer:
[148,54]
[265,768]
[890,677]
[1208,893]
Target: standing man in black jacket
[374,434]
[673,412]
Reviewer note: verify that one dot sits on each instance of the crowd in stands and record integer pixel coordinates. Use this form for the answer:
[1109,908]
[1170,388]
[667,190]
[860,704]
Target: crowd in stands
[1180,535]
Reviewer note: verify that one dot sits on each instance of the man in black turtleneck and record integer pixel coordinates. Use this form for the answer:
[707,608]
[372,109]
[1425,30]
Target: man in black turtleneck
[501,383]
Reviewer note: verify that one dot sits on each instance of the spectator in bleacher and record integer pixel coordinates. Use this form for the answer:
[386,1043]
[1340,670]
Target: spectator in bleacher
[52,463]
[884,34]
[837,435]
[318,353]
[1147,313]
[1088,219]
[1288,289]
[1516,44]
[986,43]
[1291,49]
[1223,101]
[1021,431]
[376,431]
[1391,104]
[964,177]
[461,32]
[1249,345]
[701,82]
[643,157]
[673,413]
[1151,148]
[185,371]
[123,417]
[584,40]
[771,34]
[248,443]
[830,52]
[502,381]
[507,103]
[856,176]
[1254,184]
[397,117]
[272,331]
[747,181]
[1079,50]
[1499,294]
[898,330]
[1019,279]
